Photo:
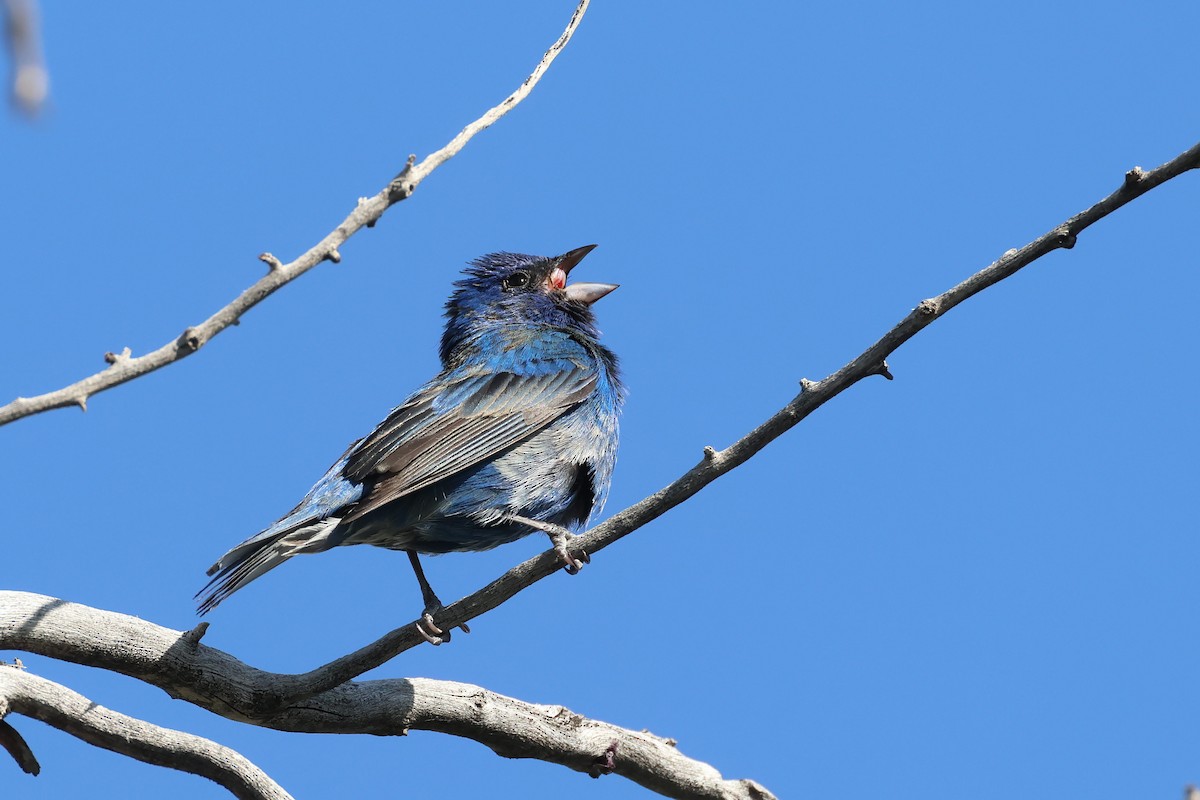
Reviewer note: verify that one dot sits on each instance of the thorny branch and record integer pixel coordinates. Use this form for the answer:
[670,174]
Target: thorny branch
[125,367]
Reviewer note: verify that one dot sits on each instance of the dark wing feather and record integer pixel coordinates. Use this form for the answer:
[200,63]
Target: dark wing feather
[454,424]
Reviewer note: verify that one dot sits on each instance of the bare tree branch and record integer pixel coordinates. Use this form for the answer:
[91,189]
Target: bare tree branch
[69,711]
[125,367]
[12,741]
[212,679]
[716,463]
[30,80]
[326,700]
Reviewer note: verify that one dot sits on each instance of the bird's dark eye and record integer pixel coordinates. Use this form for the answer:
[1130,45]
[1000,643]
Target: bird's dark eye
[517,280]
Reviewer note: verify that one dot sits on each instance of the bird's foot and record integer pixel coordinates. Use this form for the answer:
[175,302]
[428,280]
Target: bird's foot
[572,562]
[559,538]
[430,631]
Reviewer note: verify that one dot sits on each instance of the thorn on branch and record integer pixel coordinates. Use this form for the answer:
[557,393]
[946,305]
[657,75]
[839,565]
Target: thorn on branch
[117,358]
[1134,176]
[15,744]
[273,263]
[81,401]
[605,763]
[882,369]
[334,256]
[193,637]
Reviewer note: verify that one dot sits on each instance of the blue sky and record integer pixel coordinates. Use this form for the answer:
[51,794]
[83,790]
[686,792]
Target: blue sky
[975,579]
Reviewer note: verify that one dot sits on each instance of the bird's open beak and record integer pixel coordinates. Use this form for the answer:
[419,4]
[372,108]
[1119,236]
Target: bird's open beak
[580,292]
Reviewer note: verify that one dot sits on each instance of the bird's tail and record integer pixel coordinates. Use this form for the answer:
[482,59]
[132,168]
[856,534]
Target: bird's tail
[261,554]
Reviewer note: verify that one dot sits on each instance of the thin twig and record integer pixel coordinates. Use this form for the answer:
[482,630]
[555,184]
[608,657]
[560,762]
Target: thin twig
[215,680]
[69,711]
[123,367]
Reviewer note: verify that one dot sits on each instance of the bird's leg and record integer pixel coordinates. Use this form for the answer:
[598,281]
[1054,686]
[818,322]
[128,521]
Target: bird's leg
[428,630]
[559,536]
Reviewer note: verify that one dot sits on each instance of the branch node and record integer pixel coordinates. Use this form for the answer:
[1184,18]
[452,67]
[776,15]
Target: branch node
[929,308]
[882,369]
[81,401]
[401,187]
[273,263]
[193,637]
[605,763]
[334,256]
[190,340]
[710,453]
[117,358]
[1134,176]
[807,386]
[1064,238]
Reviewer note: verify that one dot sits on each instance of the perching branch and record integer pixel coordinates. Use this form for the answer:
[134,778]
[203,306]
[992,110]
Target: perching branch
[125,367]
[187,669]
[33,696]
[328,700]
[716,463]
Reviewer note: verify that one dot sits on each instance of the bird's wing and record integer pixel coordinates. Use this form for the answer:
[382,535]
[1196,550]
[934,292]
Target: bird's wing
[462,419]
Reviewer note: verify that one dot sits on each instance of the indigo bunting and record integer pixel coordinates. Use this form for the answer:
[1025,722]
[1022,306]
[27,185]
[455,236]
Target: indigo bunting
[517,433]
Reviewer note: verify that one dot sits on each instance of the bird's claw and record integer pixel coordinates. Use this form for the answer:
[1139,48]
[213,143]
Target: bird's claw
[429,631]
[559,537]
[572,562]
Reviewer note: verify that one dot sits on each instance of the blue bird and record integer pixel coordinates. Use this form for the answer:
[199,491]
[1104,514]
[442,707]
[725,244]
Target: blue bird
[517,433]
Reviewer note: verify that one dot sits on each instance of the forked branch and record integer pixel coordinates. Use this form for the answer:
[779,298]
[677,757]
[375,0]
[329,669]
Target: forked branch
[187,669]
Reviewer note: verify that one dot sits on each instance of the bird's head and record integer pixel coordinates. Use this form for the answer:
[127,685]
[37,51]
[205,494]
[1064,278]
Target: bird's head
[512,288]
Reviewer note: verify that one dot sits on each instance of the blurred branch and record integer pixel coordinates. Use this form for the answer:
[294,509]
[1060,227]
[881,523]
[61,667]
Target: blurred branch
[178,663]
[30,80]
[125,367]
[716,463]
[69,711]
